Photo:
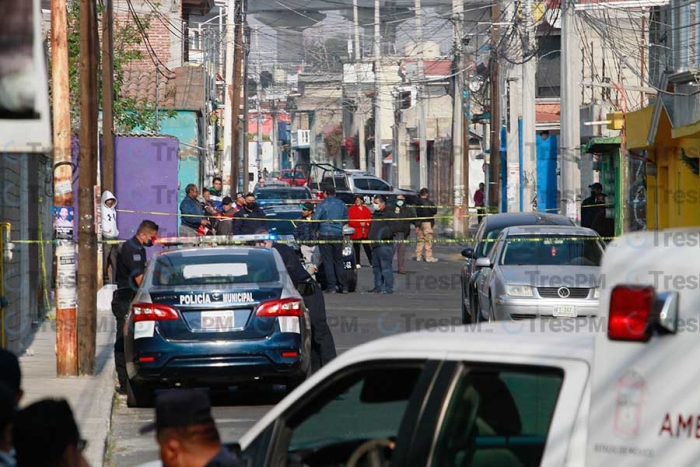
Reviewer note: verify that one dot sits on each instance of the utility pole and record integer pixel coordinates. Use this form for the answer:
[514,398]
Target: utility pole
[275,138]
[259,116]
[246,146]
[236,100]
[359,113]
[108,97]
[378,159]
[570,119]
[66,301]
[87,240]
[229,148]
[421,98]
[461,223]
[495,99]
[529,168]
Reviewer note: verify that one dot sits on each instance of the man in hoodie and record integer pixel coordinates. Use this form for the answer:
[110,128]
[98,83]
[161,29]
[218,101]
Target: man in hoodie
[110,233]
[334,215]
[216,194]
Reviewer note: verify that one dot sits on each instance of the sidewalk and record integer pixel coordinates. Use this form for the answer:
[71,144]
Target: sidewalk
[91,398]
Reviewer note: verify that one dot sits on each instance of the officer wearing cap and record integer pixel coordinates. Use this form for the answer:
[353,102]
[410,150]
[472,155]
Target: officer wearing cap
[186,431]
[131,264]
[306,231]
[224,224]
[590,207]
[322,343]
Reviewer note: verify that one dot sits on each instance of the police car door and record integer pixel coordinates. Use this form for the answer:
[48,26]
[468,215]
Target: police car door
[645,404]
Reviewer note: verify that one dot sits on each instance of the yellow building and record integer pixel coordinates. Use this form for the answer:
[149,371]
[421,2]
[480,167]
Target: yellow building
[672,157]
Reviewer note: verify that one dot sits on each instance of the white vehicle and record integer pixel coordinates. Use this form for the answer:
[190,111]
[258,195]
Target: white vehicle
[613,390]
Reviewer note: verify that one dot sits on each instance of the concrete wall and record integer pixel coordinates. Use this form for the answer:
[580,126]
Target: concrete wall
[145,181]
[27,198]
[186,127]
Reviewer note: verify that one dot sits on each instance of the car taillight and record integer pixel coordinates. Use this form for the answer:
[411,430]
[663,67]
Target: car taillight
[153,312]
[630,311]
[283,307]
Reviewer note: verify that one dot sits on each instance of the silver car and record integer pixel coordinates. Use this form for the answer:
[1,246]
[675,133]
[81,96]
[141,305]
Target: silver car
[532,271]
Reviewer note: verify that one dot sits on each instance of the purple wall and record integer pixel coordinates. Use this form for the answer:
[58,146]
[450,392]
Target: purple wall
[145,172]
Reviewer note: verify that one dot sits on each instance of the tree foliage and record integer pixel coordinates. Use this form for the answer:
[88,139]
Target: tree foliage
[333,142]
[129,113]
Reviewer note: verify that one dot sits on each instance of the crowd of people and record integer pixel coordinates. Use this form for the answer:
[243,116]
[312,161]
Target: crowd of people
[320,229]
[380,231]
[213,214]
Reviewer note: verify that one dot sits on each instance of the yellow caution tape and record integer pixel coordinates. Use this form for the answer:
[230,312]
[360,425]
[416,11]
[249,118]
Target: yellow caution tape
[269,219]
[367,241]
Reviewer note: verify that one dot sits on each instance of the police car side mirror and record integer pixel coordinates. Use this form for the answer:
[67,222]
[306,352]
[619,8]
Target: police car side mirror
[468,253]
[483,263]
[348,231]
[306,289]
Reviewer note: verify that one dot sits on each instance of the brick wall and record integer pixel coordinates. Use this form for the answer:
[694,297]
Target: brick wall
[26,203]
[164,35]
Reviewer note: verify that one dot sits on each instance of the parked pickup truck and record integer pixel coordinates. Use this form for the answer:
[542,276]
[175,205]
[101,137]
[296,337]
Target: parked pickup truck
[617,389]
[349,183]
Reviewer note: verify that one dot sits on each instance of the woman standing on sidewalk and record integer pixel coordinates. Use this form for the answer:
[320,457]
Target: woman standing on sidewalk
[360,218]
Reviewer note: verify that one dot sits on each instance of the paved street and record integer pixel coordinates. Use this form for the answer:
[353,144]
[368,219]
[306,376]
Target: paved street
[428,292]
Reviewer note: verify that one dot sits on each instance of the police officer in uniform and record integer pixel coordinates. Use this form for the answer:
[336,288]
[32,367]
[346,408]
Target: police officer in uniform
[322,343]
[131,263]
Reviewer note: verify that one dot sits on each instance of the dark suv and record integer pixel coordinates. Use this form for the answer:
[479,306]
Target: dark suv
[486,234]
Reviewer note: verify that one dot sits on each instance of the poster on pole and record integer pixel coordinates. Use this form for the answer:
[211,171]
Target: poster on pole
[67,275]
[25,124]
[63,222]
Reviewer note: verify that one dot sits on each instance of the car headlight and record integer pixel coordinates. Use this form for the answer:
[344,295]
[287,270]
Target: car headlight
[519,290]
[596,293]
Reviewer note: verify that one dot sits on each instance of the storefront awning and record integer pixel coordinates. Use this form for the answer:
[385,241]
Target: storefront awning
[602,145]
[637,127]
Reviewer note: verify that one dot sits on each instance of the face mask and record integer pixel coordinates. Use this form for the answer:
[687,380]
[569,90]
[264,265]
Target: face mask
[399,203]
[252,205]
[150,241]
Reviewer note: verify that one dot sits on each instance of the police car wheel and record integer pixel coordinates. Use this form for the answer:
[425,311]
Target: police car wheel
[138,396]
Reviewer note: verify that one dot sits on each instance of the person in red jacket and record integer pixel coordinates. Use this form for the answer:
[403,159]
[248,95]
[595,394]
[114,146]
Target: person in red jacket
[360,218]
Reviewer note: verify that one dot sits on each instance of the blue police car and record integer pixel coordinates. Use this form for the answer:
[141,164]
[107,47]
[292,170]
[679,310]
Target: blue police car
[216,316]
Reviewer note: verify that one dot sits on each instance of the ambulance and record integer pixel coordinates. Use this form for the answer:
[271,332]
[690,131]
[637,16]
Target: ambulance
[618,389]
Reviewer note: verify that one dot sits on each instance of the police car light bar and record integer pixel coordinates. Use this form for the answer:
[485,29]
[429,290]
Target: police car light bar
[214,240]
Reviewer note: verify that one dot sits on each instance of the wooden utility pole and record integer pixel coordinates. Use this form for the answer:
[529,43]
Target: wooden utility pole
[246,146]
[66,324]
[108,97]
[87,240]
[495,81]
[236,99]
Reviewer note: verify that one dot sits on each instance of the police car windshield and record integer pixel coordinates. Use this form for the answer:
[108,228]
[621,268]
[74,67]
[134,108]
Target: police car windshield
[245,267]
[551,250]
